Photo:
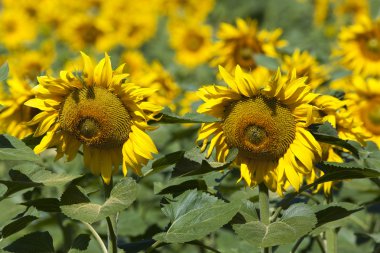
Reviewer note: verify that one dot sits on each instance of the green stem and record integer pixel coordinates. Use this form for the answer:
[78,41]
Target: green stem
[331,241]
[97,237]
[264,209]
[111,222]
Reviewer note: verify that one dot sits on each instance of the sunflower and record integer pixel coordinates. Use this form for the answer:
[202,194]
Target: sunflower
[191,42]
[267,122]
[359,47]
[364,97]
[335,112]
[179,9]
[306,65]
[99,110]
[16,28]
[238,45]
[14,114]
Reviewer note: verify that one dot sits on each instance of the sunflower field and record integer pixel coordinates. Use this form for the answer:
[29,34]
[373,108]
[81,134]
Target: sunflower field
[188,126]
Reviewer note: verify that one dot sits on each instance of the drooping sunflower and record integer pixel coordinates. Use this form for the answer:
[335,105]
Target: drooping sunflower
[14,114]
[98,110]
[267,122]
[306,65]
[238,45]
[359,47]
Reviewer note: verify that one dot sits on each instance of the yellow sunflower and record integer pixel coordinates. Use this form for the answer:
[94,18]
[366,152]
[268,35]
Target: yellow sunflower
[14,114]
[267,122]
[16,28]
[238,45]
[191,42]
[99,110]
[359,47]
[306,65]
[334,111]
[178,9]
[157,78]
[364,104]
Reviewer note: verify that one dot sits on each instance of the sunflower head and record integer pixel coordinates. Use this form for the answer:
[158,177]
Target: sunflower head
[99,111]
[238,45]
[359,47]
[267,122]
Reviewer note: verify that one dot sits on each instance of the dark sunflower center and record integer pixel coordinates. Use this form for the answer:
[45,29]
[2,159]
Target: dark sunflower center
[370,46]
[194,42]
[260,127]
[371,115]
[96,117]
[244,53]
[89,33]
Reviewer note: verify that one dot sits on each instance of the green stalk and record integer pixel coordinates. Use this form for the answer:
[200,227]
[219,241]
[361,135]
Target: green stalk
[111,222]
[264,209]
[331,240]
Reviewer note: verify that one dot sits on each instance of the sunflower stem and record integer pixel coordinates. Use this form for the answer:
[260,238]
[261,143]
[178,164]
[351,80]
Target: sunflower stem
[331,241]
[264,209]
[111,222]
[97,237]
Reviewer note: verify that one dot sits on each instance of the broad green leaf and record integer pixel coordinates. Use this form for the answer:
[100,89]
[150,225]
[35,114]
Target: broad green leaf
[80,243]
[327,133]
[40,242]
[4,71]
[266,61]
[180,185]
[12,149]
[40,175]
[166,116]
[193,162]
[194,215]
[44,204]
[17,225]
[122,196]
[164,162]
[248,211]
[329,215]
[297,221]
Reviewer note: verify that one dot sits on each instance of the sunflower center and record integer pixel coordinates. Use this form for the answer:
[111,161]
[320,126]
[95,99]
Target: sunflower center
[194,42]
[373,45]
[89,33]
[371,115]
[96,117]
[88,128]
[260,127]
[370,46]
[244,56]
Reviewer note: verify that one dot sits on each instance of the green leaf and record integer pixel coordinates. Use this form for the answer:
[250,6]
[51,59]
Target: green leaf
[248,211]
[44,204]
[17,225]
[12,149]
[122,196]
[40,175]
[40,242]
[164,162]
[80,243]
[4,71]
[327,215]
[340,171]
[193,162]
[327,133]
[297,221]
[194,215]
[167,116]
[180,185]
[266,61]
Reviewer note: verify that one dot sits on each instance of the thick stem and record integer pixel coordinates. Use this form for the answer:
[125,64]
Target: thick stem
[264,209]
[111,222]
[331,241]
